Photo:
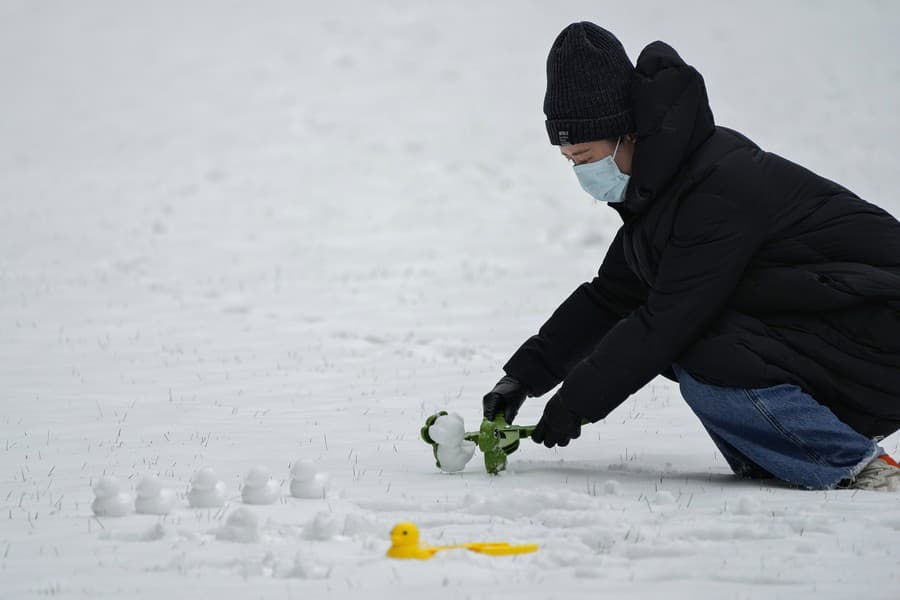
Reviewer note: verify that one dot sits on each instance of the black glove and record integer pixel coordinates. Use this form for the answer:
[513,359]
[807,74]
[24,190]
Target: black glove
[558,425]
[505,399]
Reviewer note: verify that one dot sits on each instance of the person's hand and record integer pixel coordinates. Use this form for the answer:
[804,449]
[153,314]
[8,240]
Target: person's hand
[558,425]
[505,399]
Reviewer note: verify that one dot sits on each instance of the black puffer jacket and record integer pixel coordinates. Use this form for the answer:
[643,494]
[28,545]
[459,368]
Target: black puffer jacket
[744,268]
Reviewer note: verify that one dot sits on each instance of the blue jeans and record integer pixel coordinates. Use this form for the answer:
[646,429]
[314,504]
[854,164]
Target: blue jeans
[778,431]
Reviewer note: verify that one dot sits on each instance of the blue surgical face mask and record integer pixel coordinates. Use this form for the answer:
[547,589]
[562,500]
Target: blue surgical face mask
[602,179]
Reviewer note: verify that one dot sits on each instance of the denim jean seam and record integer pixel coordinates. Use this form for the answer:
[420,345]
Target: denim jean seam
[770,418]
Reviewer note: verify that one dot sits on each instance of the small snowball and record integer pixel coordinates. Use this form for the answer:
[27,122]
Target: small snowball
[240,526]
[448,429]
[324,526]
[242,517]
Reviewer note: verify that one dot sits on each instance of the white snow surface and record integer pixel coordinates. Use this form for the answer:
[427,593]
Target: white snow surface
[234,233]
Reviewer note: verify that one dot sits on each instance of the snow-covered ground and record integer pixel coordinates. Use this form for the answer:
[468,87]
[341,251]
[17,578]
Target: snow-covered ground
[245,233]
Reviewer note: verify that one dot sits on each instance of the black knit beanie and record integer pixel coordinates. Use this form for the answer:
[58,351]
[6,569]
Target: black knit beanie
[588,75]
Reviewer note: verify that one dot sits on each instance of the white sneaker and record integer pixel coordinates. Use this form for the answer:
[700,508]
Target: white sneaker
[881,474]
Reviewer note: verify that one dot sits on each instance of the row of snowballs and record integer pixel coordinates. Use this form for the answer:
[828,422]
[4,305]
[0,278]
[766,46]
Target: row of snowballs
[206,491]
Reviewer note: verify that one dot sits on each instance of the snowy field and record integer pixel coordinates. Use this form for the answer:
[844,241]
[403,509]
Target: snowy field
[246,233]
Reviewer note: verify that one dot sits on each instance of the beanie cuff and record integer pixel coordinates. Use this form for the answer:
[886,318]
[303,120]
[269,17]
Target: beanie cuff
[564,132]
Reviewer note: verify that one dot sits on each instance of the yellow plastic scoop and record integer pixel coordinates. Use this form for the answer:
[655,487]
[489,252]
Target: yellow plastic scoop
[405,544]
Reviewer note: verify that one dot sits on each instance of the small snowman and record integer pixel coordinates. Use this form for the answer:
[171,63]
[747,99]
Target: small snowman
[207,490]
[152,498]
[109,499]
[259,487]
[453,450]
[306,482]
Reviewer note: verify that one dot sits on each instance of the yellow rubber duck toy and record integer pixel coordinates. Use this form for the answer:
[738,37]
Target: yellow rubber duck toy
[405,544]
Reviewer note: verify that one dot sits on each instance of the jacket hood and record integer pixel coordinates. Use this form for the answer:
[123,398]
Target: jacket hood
[672,119]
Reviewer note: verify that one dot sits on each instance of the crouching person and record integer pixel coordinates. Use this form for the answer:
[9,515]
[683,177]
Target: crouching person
[769,293]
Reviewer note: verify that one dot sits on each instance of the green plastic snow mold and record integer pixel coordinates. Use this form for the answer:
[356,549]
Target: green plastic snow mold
[496,439]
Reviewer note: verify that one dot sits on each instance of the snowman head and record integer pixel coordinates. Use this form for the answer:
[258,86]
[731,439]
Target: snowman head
[149,486]
[257,477]
[204,479]
[303,470]
[107,487]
